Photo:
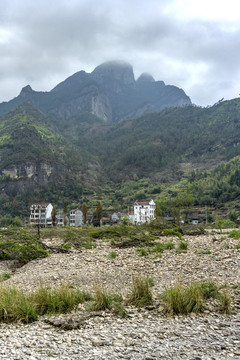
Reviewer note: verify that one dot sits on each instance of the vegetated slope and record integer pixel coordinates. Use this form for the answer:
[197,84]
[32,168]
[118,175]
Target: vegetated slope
[35,159]
[110,92]
[174,137]
[219,187]
[55,161]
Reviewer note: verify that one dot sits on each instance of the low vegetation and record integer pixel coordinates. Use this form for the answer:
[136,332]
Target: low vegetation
[20,245]
[16,305]
[181,299]
[141,294]
[105,300]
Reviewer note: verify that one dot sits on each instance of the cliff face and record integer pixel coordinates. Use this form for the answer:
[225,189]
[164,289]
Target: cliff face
[110,92]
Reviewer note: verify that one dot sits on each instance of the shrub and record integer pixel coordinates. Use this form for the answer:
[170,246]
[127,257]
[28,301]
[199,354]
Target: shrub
[160,247]
[172,232]
[17,306]
[141,294]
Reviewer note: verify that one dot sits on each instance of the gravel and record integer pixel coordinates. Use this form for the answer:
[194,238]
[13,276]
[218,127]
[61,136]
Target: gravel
[145,334]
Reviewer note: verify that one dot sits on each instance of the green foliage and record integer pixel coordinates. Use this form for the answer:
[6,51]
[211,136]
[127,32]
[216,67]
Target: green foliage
[181,299]
[8,220]
[59,300]
[112,255]
[20,245]
[172,232]
[234,234]
[15,306]
[142,252]
[140,294]
[182,247]
[5,275]
[22,252]
[104,300]
[160,247]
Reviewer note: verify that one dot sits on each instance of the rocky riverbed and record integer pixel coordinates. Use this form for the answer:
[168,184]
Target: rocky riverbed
[144,334]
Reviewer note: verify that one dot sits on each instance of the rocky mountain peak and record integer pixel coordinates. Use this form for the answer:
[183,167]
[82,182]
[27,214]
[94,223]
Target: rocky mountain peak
[145,77]
[26,91]
[114,70]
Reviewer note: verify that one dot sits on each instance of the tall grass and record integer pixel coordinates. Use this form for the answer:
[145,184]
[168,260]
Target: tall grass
[60,300]
[15,305]
[141,294]
[181,299]
[105,300]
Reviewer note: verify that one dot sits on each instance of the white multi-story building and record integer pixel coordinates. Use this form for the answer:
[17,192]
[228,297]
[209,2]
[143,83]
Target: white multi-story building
[144,211]
[76,217]
[41,214]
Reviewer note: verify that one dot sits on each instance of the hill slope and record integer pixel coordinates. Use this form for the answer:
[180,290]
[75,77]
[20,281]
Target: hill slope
[44,159]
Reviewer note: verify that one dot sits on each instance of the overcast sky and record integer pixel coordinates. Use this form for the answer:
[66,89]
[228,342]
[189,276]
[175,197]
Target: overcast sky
[193,44]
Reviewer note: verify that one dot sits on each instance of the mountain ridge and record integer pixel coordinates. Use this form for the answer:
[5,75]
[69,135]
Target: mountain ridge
[109,92]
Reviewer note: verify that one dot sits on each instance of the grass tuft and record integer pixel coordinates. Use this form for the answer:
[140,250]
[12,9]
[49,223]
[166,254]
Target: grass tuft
[182,247]
[112,255]
[104,300]
[60,300]
[5,276]
[141,294]
[181,299]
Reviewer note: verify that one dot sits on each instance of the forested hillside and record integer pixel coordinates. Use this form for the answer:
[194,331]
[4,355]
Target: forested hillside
[85,159]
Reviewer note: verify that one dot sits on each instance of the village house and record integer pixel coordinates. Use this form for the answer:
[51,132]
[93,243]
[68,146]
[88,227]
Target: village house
[41,214]
[62,220]
[76,217]
[144,211]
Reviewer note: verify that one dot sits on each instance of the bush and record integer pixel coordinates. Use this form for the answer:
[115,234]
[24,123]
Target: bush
[172,232]
[17,306]
[141,294]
